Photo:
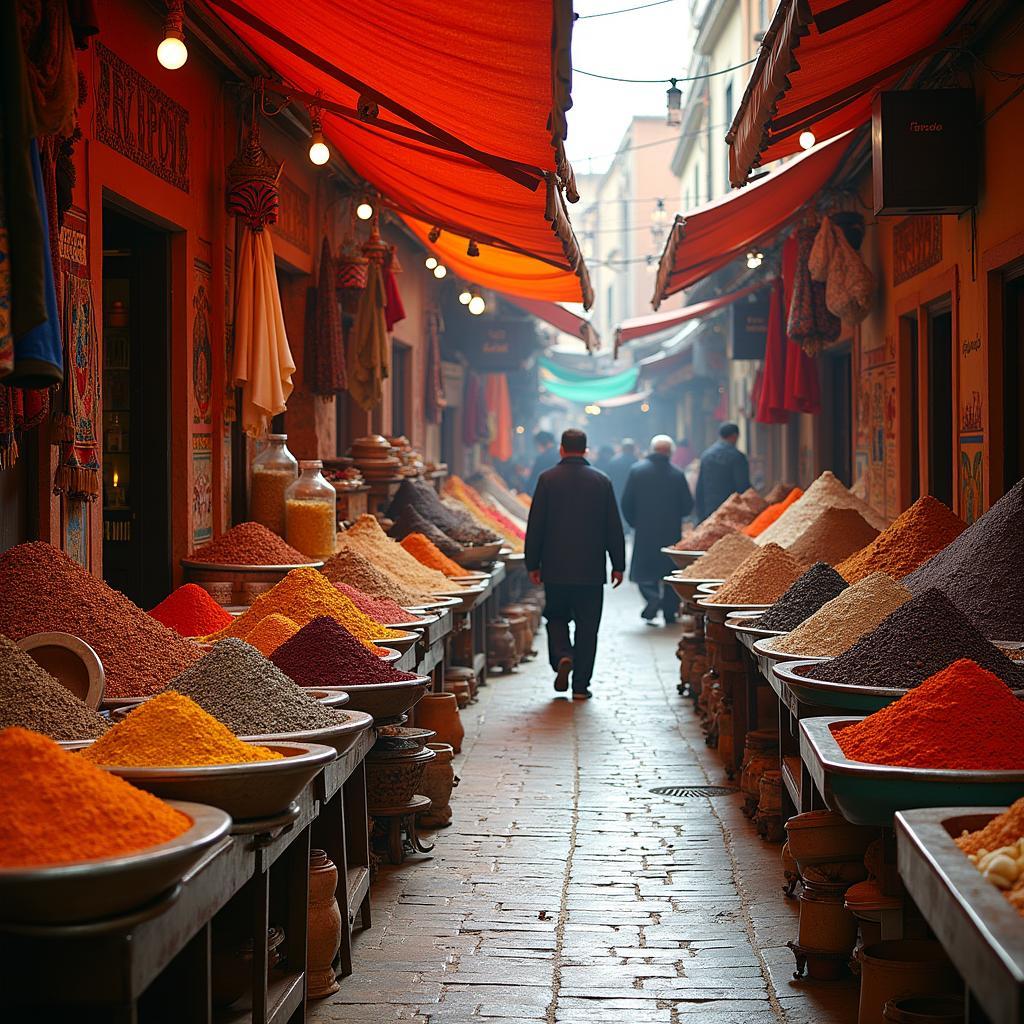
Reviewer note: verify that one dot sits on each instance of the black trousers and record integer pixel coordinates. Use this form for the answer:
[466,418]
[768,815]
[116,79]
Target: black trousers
[581,605]
[660,597]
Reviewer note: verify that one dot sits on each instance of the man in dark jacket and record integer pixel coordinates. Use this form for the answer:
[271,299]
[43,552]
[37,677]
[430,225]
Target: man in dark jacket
[619,467]
[573,527]
[655,502]
[723,470]
[547,456]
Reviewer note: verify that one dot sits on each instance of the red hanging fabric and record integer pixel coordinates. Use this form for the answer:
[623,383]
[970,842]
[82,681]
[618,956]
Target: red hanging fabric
[771,404]
[802,390]
[394,309]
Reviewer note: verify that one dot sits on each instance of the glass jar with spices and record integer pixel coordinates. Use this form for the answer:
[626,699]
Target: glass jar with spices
[311,519]
[273,471]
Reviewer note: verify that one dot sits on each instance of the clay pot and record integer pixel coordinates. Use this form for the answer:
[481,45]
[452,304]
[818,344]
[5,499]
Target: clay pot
[460,688]
[440,712]
[437,783]
[324,926]
[501,646]
[761,754]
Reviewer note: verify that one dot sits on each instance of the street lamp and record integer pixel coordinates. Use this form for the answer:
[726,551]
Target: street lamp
[674,111]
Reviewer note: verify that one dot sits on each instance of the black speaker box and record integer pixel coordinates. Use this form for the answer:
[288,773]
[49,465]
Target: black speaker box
[924,151]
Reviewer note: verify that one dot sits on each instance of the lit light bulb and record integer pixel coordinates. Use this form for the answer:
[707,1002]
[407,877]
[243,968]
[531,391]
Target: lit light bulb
[477,305]
[115,477]
[754,260]
[440,270]
[644,407]
[465,297]
[807,139]
[364,211]
[520,429]
[430,262]
[319,151]
[172,52]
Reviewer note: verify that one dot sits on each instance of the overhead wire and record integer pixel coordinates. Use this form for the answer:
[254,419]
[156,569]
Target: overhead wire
[622,10]
[662,81]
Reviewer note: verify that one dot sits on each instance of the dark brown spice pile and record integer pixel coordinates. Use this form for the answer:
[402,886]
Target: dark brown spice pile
[31,698]
[815,588]
[42,590]
[460,526]
[410,521]
[249,544]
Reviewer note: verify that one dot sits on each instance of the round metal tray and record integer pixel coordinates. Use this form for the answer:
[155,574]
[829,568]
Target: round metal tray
[479,554]
[188,563]
[329,696]
[686,588]
[259,789]
[680,558]
[716,612]
[767,659]
[96,889]
[386,700]
[436,604]
[400,643]
[420,622]
[844,697]
[341,737]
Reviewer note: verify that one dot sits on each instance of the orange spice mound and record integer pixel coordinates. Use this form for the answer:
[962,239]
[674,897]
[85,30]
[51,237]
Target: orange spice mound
[912,538]
[426,551]
[268,634]
[1002,830]
[60,809]
[771,513]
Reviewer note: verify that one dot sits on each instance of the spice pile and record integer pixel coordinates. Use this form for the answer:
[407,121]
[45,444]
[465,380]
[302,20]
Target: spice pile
[44,591]
[60,809]
[190,611]
[779,493]
[982,571]
[410,521]
[251,695]
[350,567]
[269,633]
[920,532]
[172,731]
[914,642]
[825,492]
[301,596]
[249,544]
[428,554]
[458,524]
[366,537]
[997,851]
[962,718]
[841,622]
[489,517]
[754,501]
[833,534]
[324,653]
[733,514]
[380,609]
[810,592]
[762,578]
[722,558]
[31,698]
[1002,830]
[771,514]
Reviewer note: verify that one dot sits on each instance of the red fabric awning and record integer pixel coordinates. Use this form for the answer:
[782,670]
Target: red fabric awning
[644,326]
[560,318]
[819,67]
[713,235]
[455,113]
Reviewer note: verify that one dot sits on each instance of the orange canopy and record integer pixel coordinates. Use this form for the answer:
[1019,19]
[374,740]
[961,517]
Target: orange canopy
[454,112]
[819,67]
[713,235]
[562,319]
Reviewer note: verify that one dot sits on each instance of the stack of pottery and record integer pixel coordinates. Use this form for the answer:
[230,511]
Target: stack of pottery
[440,712]
[461,674]
[768,818]
[437,783]
[460,688]
[374,457]
[502,651]
[519,621]
[761,753]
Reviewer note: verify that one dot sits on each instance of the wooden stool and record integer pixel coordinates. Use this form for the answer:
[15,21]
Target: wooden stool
[402,819]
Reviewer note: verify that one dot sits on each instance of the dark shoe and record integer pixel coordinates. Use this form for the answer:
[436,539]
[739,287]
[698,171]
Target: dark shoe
[670,620]
[650,622]
[650,611]
[562,674]
[581,695]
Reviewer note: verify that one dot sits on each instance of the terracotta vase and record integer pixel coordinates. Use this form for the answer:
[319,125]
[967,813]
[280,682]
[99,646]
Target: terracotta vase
[440,712]
[325,926]
[437,783]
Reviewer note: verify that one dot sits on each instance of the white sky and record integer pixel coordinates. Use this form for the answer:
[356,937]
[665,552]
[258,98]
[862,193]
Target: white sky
[651,43]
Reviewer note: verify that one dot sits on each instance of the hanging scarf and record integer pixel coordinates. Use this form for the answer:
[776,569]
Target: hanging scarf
[499,409]
[52,67]
[325,343]
[809,323]
[771,403]
[394,309]
[434,398]
[75,426]
[369,364]
[803,389]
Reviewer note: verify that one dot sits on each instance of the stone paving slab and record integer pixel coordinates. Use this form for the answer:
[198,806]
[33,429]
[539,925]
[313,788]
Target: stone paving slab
[566,892]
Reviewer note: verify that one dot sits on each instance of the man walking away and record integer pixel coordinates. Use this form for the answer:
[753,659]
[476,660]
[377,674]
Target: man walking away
[655,502]
[619,467]
[573,527]
[723,471]
[605,454]
[547,456]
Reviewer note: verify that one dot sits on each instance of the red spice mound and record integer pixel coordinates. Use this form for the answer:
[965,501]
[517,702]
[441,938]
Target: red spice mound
[382,609]
[43,590]
[920,532]
[962,717]
[191,611]
[771,513]
[249,544]
[325,653]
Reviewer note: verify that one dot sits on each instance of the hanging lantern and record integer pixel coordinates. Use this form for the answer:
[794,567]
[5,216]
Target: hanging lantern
[674,105]
[252,179]
[350,268]
[392,261]
[374,248]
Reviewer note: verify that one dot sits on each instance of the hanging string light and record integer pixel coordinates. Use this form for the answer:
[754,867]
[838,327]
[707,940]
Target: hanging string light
[364,211]
[319,151]
[430,262]
[477,305]
[472,249]
[674,112]
[807,139]
[172,51]
[440,271]
[434,234]
[645,407]
[465,297]
[754,260]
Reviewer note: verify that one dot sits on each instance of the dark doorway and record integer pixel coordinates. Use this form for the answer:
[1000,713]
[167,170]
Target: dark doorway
[912,394]
[839,418]
[1013,379]
[401,358]
[940,403]
[136,425]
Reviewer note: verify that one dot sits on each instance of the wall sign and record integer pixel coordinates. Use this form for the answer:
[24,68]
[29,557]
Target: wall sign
[140,121]
[293,214]
[916,246]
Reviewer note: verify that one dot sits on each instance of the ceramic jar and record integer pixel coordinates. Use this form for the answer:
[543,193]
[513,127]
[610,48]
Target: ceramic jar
[324,927]
[437,783]
[440,712]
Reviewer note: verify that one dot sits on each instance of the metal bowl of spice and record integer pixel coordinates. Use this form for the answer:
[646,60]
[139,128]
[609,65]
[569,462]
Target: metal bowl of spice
[845,698]
[681,559]
[767,657]
[686,588]
[342,737]
[106,887]
[386,701]
[435,604]
[741,624]
[400,643]
[417,622]
[480,554]
[259,789]
[329,696]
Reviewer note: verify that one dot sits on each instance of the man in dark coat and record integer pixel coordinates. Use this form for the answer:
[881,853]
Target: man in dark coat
[655,502]
[619,467]
[547,456]
[723,471]
[573,528]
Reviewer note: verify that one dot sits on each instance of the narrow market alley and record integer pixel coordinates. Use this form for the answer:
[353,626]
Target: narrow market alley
[566,891]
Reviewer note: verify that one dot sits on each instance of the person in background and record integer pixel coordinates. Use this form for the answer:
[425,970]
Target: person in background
[619,467]
[603,462]
[683,455]
[723,471]
[573,529]
[547,456]
[655,502]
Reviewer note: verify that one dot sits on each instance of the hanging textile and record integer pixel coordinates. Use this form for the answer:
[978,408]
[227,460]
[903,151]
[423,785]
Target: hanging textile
[499,414]
[20,410]
[434,403]
[325,349]
[809,322]
[394,310]
[803,389]
[75,426]
[474,410]
[369,363]
[593,389]
[849,284]
[771,403]
[52,67]
[84,22]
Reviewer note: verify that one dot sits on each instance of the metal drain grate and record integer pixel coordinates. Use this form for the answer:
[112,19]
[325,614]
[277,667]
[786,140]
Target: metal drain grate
[694,791]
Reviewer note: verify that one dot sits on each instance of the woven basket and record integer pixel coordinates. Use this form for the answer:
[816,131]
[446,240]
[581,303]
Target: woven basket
[392,782]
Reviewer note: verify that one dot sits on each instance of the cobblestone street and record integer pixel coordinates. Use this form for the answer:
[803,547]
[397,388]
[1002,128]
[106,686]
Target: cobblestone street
[565,891]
